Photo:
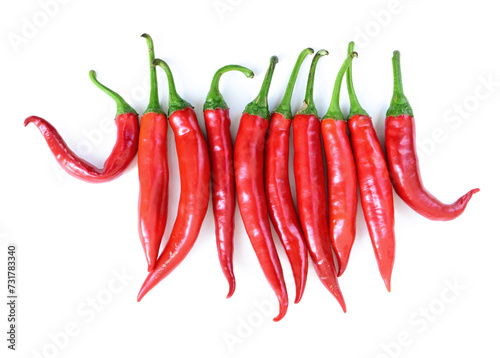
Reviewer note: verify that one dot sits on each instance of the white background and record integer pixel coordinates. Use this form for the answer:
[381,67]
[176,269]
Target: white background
[75,238]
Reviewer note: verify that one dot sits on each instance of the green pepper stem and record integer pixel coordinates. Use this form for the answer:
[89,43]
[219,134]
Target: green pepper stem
[214,97]
[175,101]
[259,106]
[334,111]
[356,108]
[309,107]
[399,103]
[285,107]
[154,102]
[122,107]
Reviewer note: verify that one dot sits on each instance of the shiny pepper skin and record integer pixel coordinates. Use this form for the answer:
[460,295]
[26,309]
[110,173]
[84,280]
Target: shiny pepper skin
[402,158]
[374,183]
[405,173]
[124,150]
[220,149]
[152,166]
[218,124]
[310,186]
[311,200]
[341,174]
[153,178]
[194,170]
[249,174]
[376,192]
[342,188]
[280,202]
[249,171]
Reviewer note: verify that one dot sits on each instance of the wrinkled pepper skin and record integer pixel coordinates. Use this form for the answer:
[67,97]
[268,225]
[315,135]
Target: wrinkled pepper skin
[342,188]
[405,173]
[250,192]
[282,211]
[194,170]
[311,199]
[376,192]
[123,152]
[220,146]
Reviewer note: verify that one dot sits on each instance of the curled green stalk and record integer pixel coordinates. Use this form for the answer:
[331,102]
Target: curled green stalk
[175,101]
[259,106]
[356,108]
[334,111]
[285,107]
[399,102]
[309,107]
[121,106]
[154,102]
[214,97]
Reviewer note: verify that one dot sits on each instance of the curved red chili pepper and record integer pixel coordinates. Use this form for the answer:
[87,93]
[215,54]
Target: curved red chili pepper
[374,183]
[124,150]
[220,149]
[194,170]
[153,170]
[249,175]
[341,173]
[403,162]
[311,189]
[278,193]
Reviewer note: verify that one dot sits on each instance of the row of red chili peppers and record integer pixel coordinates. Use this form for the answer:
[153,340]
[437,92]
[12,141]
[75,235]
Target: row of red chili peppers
[326,212]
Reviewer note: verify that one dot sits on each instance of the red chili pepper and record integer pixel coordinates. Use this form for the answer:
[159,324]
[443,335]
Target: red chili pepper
[249,175]
[374,183]
[341,170]
[123,152]
[403,162]
[279,195]
[220,148]
[153,170]
[311,190]
[194,170]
